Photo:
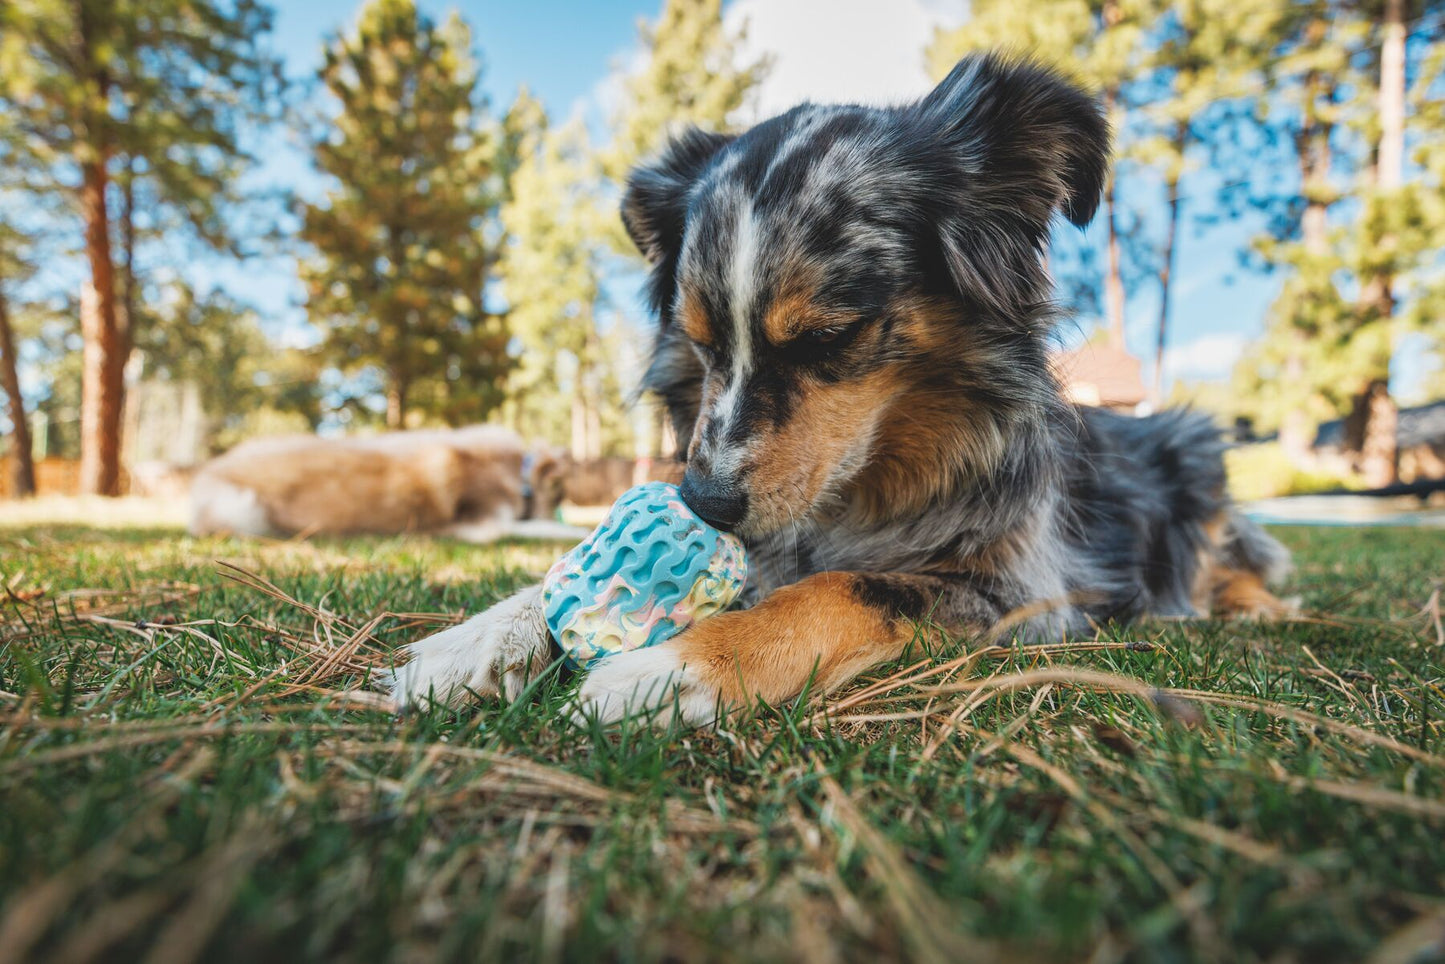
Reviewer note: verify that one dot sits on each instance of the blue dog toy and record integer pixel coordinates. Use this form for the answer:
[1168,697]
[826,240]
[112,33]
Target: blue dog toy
[649,571]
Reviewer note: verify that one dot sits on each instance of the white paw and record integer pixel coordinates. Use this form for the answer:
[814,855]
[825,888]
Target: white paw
[649,682]
[494,653]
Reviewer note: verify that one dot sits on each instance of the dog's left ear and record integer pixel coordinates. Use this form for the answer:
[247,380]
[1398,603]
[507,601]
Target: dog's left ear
[1026,129]
[1025,143]
[654,209]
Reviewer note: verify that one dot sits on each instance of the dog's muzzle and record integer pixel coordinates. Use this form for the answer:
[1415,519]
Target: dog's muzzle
[720,503]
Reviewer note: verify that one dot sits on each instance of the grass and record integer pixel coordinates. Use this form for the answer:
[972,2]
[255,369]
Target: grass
[1264,470]
[191,769]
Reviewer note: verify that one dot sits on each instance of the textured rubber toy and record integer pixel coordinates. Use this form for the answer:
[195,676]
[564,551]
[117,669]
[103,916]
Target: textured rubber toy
[649,571]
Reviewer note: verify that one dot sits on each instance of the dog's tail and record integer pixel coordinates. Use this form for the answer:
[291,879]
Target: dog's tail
[1248,547]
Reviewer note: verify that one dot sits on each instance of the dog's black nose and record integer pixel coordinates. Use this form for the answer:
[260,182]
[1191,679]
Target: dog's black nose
[720,505]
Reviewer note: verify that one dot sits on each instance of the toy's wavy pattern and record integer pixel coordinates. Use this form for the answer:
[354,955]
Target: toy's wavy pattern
[648,572]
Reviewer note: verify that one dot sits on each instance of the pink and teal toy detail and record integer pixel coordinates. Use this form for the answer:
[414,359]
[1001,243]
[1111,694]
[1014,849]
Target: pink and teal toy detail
[650,570]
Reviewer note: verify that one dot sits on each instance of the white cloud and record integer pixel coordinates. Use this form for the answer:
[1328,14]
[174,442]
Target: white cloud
[1210,357]
[825,51]
[832,51]
[605,97]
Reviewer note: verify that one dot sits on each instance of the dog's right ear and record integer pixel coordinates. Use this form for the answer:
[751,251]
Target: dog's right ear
[654,209]
[1024,143]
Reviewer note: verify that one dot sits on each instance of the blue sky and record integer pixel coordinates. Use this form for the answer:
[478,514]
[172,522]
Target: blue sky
[863,50]
[558,48]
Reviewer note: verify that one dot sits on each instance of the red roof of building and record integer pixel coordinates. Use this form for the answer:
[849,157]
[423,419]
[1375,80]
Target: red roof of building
[1101,375]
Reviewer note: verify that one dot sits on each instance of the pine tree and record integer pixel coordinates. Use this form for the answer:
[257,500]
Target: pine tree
[550,274]
[164,83]
[1422,311]
[12,270]
[401,257]
[1379,253]
[1340,72]
[1205,55]
[1298,106]
[16,267]
[691,77]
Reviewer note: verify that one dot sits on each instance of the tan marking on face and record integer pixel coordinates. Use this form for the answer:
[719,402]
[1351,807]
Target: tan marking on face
[796,310]
[794,306]
[693,318]
[786,315]
[930,323]
[793,464]
[926,440]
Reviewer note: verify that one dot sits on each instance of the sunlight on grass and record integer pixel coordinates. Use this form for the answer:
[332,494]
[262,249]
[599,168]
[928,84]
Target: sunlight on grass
[192,761]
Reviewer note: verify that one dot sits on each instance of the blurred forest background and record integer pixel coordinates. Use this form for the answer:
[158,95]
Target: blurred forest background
[466,262]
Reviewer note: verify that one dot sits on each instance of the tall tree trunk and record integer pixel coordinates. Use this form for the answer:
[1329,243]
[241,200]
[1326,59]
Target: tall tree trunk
[1378,458]
[102,392]
[126,303]
[1315,156]
[1166,268]
[23,466]
[1111,15]
[1370,431]
[1114,276]
[102,381]
[579,426]
[396,388]
[594,431]
[1391,154]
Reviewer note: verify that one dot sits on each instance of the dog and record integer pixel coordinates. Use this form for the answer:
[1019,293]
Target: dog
[854,329]
[477,484]
[601,482]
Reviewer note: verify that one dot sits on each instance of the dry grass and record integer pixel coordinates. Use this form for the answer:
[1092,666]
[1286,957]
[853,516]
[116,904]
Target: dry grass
[192,767]
[129,512]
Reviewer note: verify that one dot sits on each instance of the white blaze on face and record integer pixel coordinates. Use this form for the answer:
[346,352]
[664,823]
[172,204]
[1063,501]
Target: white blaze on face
[726,458]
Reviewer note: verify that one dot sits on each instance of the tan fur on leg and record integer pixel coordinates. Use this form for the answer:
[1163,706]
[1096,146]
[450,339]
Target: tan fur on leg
[772,650]
[1239,593]
[822,629]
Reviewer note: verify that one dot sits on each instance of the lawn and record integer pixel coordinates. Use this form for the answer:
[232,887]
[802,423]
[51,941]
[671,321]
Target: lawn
[191,768]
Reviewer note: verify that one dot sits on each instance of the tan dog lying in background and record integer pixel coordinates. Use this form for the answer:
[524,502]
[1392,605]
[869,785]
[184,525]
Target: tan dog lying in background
[474,484]
[600,482]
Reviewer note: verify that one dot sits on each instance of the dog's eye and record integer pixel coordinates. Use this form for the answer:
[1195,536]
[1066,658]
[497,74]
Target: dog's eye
[826,336]
[821,343]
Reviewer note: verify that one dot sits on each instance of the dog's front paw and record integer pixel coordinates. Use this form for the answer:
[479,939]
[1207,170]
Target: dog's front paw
[652,682]
[494,653]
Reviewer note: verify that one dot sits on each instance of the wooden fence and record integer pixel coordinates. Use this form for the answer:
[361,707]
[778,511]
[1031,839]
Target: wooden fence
[53,476]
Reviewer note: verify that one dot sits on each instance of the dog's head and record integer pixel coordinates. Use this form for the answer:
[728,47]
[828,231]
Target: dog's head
[853,300]
[544,483]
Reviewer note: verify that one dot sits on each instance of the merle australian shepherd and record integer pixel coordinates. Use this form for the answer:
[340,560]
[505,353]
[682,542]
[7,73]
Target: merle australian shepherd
[854,331]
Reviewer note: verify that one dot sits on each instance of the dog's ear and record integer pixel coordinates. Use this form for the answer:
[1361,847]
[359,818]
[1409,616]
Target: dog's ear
[1024,143]
[654,209]
[1026,128]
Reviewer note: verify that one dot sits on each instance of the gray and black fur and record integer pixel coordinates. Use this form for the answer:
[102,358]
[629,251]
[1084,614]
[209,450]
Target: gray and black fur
[840,251]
